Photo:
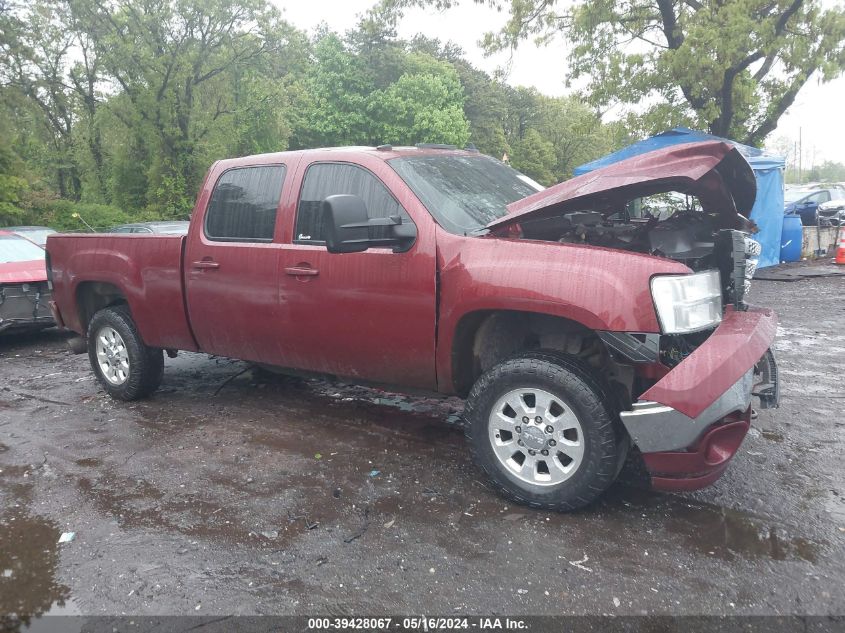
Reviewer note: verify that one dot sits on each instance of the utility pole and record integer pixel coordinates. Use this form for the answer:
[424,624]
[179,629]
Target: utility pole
[795,161]
[800,151]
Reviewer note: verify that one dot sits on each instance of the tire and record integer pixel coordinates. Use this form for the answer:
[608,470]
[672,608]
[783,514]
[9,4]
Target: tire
[581,412]
[139,368]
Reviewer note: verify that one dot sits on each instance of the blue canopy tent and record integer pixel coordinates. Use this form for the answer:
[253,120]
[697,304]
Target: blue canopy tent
[768,169]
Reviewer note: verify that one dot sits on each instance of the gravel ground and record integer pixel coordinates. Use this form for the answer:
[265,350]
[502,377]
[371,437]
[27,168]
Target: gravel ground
[282,496]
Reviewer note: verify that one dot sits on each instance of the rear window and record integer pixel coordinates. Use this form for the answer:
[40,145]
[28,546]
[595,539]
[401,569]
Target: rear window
[18,249]
[243,204]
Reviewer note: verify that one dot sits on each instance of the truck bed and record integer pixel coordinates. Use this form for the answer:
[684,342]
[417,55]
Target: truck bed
[148,270]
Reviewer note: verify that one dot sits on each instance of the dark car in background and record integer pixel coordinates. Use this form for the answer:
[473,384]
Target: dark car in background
[804,202]
[24,290]
[37,234]
[176,227]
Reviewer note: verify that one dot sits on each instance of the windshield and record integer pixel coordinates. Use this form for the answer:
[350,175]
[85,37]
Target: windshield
[794,195]
[174,229]
[463,193]
[39,236]
[17,249]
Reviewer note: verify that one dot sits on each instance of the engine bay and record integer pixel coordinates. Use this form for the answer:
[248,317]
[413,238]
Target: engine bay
[688,236]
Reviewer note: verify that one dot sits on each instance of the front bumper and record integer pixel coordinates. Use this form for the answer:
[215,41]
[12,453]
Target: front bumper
[692,421]
[655,427]
[24,306]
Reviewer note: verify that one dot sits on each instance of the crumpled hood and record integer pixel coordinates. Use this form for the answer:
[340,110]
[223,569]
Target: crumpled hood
[23,272]
[713,171]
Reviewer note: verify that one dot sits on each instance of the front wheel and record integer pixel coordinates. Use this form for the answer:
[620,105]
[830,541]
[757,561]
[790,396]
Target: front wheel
[541,427]
[125,366]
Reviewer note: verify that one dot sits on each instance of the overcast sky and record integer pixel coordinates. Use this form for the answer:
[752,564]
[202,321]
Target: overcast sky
[819,109]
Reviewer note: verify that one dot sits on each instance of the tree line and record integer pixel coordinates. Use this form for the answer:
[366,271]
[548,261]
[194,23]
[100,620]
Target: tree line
[114,109]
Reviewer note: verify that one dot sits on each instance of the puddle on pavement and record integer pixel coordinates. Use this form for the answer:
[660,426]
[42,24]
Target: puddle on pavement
[714,530]
[29,555]
[88,462]
[278,469]
[267,468]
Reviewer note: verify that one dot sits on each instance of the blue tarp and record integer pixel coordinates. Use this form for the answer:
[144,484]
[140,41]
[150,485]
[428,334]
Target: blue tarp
[768,206]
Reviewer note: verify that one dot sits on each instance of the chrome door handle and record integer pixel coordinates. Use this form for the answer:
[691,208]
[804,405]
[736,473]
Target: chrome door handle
[302,271]
[206,263]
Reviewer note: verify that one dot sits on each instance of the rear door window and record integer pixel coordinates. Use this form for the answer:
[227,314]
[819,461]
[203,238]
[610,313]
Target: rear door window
[243,204]
[328,179]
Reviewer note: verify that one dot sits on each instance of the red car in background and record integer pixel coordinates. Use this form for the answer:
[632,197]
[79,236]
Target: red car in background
[24,289]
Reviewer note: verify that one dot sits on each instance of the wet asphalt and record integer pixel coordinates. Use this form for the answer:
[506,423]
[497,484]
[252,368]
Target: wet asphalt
[270,495]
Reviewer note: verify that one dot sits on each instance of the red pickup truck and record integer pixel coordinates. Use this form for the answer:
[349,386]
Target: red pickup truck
[576,323]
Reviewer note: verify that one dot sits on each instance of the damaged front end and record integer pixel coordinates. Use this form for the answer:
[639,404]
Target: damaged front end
[686,205]
[693,382]
[25,289]
[25,306]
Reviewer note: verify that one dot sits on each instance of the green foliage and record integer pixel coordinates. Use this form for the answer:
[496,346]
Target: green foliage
[115,110]
[828,171]
[534,156]
[574,131]
[11,189]
[66,215]
[338,89]
[425,105]
[355,101]
[732,67]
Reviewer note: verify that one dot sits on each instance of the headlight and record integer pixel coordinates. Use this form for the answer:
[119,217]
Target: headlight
[687,303]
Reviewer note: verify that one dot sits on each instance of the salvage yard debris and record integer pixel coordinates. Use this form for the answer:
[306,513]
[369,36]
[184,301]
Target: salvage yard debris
[67,537]
[580,563]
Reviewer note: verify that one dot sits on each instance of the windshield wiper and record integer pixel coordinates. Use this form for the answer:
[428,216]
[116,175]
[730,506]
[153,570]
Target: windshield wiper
[482,230]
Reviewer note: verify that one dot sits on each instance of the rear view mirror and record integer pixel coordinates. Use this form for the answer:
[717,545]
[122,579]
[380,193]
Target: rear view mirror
[348,227]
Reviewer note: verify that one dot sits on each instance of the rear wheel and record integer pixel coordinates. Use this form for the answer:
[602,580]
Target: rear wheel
[542,428]
[126,367]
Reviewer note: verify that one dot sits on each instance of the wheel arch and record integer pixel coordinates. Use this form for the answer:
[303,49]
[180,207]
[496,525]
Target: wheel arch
[484,338]
[93,296]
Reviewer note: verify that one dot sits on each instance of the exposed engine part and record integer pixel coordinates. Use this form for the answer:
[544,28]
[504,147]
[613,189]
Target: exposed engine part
[635,347]
[676,347]
[686,236]
[689,236]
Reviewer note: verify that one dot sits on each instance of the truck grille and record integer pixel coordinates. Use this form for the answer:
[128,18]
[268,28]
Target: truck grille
[737,256]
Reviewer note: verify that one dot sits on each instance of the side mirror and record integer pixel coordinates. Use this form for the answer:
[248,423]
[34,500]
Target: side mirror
[348,227]
[345,220]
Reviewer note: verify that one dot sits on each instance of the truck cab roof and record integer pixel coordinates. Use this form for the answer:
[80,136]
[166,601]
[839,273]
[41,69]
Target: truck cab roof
[382,152]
